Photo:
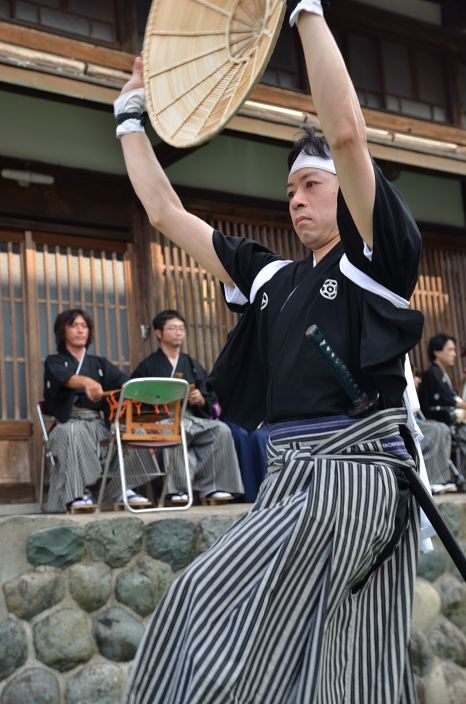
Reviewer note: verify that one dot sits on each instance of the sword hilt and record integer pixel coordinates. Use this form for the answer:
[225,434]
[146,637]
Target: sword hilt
[362,402]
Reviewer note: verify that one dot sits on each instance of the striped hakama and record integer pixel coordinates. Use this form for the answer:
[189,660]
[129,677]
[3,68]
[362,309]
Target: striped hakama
[284,608]
[213,462]
[79,459]
[436,449]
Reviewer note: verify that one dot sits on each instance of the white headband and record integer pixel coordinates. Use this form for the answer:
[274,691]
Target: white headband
[304,160]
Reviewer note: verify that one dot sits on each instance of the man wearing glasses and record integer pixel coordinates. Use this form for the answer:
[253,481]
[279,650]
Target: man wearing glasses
[213,462]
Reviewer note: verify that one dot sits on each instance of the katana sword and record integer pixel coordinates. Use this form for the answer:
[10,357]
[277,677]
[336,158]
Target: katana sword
[361,404]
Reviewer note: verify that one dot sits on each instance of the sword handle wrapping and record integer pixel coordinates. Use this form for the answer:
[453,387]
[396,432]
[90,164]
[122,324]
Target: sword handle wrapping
[339,368]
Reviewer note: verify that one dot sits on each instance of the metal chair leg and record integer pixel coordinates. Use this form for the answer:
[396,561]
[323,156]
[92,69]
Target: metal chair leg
[103,480]
[42,479]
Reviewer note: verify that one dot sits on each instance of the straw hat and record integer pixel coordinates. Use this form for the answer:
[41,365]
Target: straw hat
[201,60]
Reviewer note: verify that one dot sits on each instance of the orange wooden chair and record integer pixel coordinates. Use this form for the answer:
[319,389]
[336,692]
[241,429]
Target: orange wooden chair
[160,427]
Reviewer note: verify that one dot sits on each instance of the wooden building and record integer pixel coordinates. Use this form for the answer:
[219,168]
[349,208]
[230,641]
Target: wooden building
[73,234]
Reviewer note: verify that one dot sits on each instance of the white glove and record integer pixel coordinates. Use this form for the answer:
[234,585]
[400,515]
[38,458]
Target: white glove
[313,6]
[127,104]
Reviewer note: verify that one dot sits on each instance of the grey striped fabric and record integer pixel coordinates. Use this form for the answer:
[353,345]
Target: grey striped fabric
[268,615]
[140,467]
[436,448]
[79,457]
[213,462]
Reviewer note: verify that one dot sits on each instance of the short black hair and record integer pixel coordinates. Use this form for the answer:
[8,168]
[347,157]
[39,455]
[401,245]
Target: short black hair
[311,144]
[437,343]
[67,317]
[161,318]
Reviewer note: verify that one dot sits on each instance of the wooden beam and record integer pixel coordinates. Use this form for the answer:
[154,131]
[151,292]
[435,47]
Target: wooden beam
[410,157]
[63,46]
[52,238]
[374,118]
[15,429]
[17,493]
[60,85]
[72,199]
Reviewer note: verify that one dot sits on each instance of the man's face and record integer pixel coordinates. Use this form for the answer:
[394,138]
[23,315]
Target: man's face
[312,199]
[447,355]
[173,333]
[77,332]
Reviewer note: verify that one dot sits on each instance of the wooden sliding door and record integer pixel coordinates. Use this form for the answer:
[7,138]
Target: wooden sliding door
[41,275]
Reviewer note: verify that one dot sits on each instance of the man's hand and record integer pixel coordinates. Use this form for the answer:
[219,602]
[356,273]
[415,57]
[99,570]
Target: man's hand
[136,80]
[195,398]
[130,106]
[93,390]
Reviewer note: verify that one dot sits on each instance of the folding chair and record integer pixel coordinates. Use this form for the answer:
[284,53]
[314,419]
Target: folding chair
[45,418]
[163,429]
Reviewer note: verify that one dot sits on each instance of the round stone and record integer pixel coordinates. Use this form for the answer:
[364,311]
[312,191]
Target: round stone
[63,639]
[142,586]
[57,547]
[446,684]
[29,594]
[171,540]
[96,684]
[453,594]
[117,634]
[32,686]
[426,605]
[114,541]
[212,528]
[13,646]
[447,642]
[90,584]
[432,564]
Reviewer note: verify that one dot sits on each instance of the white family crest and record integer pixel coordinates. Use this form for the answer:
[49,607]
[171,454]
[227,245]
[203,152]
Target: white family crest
[265,301]
[329,289]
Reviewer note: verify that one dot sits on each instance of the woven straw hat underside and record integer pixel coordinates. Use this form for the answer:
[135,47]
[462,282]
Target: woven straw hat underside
[201,59]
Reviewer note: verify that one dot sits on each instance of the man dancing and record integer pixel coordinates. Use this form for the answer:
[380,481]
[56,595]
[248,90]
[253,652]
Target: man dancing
[307,598]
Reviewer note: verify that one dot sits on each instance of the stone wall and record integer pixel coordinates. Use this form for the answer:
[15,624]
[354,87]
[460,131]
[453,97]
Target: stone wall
[76,597]
[438,632]
[74,608]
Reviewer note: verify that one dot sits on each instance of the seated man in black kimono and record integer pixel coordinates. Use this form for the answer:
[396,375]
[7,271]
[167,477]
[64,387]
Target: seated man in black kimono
[438,398]
[213,462]
[74,384]
[436,450]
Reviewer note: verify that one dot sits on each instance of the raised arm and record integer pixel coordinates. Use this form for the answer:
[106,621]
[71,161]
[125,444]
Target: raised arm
[340,116]
[161,203]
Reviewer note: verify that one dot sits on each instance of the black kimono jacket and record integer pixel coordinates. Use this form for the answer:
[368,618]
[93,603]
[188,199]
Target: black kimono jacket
[58,368]
[269,370]
[436,395]
[158,364]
